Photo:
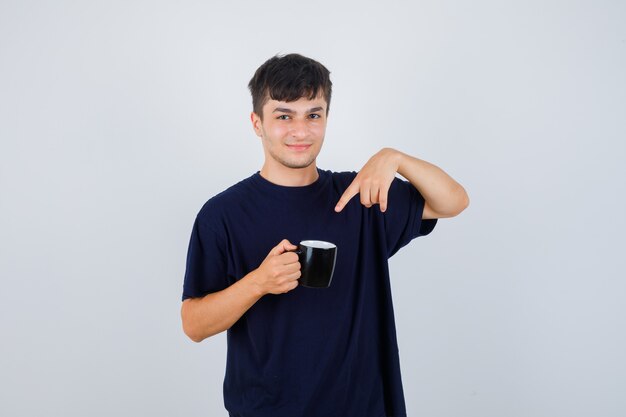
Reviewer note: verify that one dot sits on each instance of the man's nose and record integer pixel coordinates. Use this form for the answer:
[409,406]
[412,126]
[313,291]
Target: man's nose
[298,129]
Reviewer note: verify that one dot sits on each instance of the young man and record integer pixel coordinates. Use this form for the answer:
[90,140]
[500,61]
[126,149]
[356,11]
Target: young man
[296,351]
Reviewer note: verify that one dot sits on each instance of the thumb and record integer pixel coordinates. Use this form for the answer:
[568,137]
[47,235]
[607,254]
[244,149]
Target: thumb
[283,247]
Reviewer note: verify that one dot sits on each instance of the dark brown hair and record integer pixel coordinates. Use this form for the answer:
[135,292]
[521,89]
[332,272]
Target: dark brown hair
[289,78]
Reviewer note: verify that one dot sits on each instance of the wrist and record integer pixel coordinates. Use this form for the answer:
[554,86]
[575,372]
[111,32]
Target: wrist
[253,283]
[397,159]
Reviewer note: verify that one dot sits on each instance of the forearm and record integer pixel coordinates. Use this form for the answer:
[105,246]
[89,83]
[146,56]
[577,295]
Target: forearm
[216,312]
[442,193]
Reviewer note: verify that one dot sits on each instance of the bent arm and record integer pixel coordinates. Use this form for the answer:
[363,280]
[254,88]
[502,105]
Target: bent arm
[215,312]
[444,197]
[212,314]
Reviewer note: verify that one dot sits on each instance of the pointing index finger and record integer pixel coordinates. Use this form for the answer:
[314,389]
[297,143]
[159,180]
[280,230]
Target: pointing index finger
[351,191]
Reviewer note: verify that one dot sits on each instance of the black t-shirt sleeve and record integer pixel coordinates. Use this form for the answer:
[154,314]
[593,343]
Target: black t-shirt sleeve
[206,270]
[403,218]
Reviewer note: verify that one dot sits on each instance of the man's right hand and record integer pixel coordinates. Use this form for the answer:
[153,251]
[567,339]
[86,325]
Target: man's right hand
[279,272]
[215,312]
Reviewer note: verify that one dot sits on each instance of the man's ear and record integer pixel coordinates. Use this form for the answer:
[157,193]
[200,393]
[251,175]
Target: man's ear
[256,123]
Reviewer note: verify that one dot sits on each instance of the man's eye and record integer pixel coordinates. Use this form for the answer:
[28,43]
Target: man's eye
[314,116]
[283,117]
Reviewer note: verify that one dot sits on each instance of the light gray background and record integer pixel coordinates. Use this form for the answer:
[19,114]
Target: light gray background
[119,119]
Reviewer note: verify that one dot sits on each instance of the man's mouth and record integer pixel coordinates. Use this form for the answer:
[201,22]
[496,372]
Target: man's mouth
[299,146]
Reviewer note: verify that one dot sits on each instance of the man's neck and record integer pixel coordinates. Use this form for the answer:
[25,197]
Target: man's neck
[290,177]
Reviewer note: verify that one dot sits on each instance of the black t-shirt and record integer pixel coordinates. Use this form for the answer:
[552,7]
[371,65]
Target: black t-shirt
[309,352]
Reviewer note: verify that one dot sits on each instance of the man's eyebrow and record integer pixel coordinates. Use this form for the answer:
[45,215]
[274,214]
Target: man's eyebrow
[285,110]
[282,110]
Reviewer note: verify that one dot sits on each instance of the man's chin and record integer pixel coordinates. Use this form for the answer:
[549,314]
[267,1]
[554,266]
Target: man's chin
[298,165]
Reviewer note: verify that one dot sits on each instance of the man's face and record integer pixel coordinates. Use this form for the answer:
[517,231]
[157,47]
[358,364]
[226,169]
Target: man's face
[292,132]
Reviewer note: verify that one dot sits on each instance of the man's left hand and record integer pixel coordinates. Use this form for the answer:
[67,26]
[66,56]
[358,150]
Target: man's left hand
[374,180]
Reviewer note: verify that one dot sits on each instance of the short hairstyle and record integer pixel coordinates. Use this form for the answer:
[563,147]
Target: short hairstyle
[289,78]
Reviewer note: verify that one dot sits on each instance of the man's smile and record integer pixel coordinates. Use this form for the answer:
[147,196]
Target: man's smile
[299,146]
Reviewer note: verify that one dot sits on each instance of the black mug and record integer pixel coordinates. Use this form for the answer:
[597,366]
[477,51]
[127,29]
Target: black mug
[317,263]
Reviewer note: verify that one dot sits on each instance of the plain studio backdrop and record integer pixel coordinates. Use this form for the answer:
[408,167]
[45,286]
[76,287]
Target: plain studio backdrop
[119,119]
